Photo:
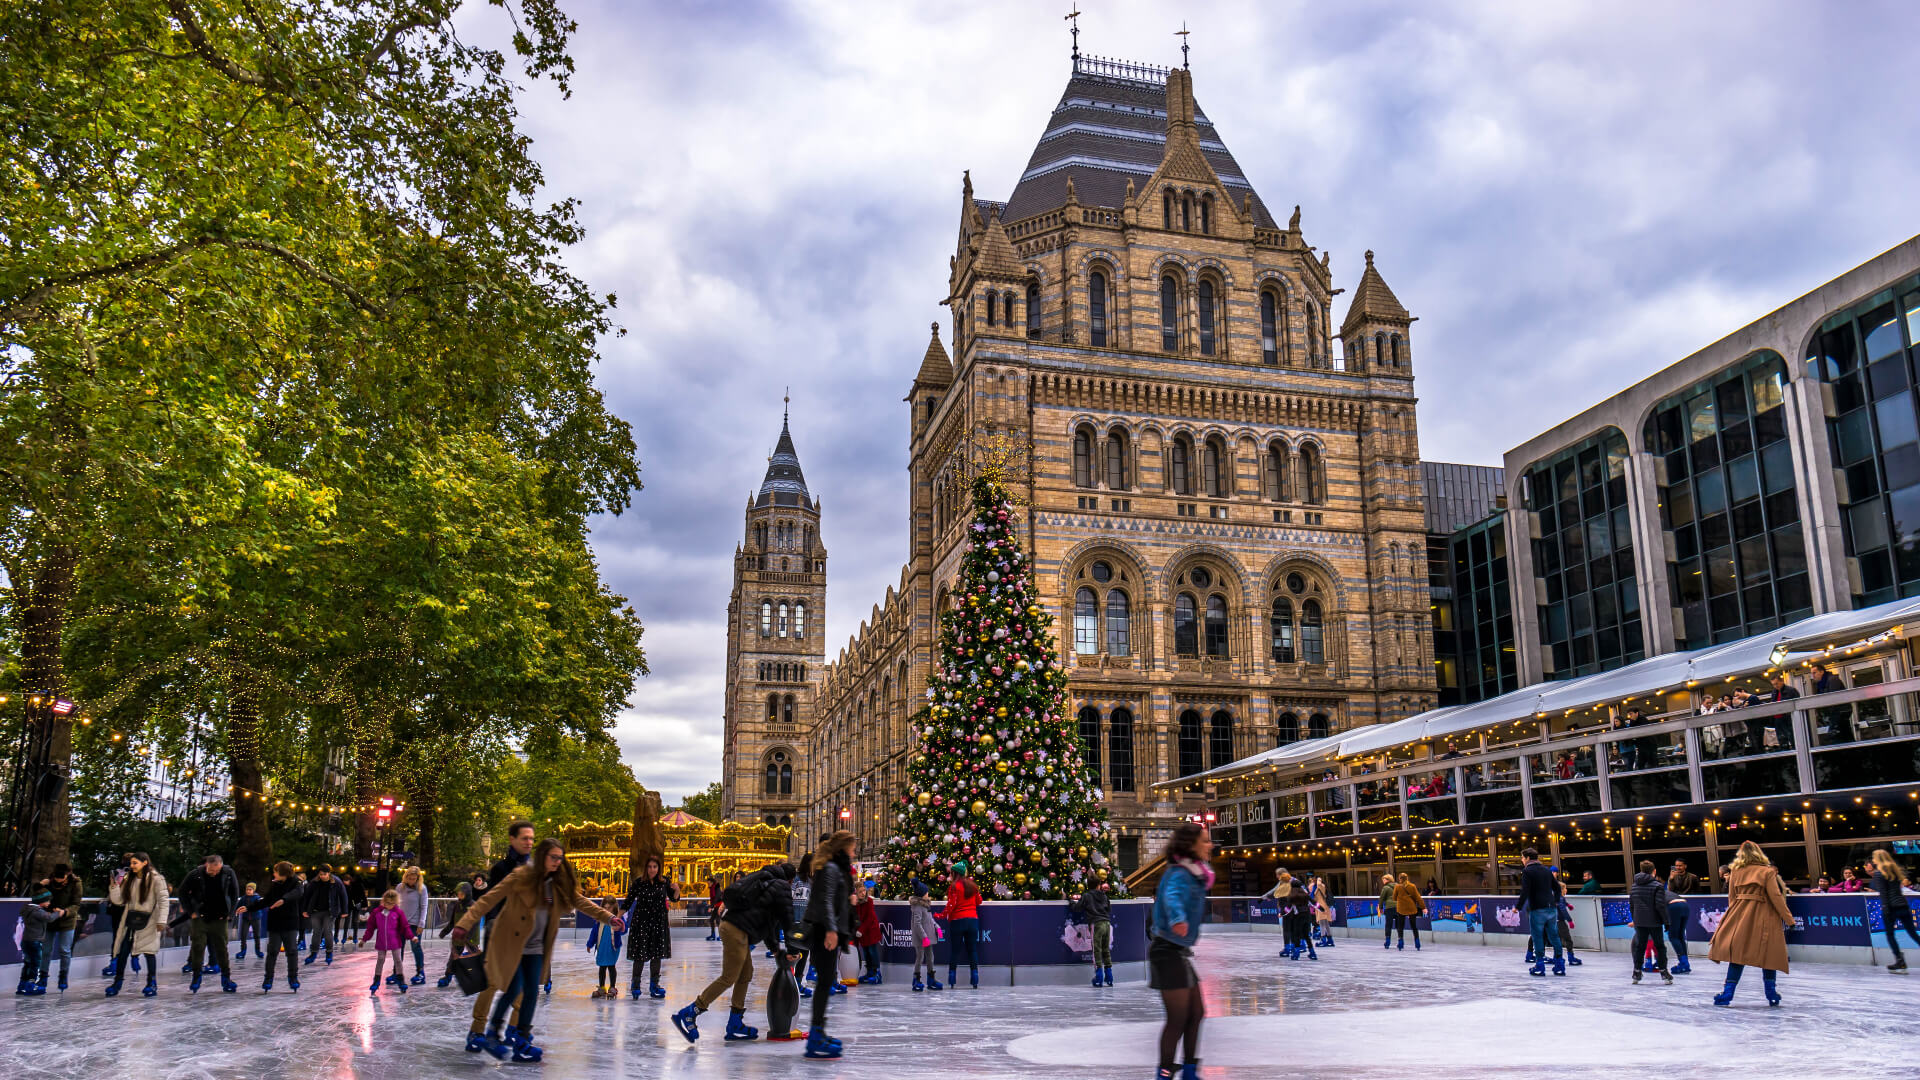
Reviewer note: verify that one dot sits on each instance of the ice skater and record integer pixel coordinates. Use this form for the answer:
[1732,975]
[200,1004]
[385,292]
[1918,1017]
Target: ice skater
[829,922]
[1887,880]
[254,920]
[414,905]
[36,918]
[1647,897]
[1322,911]
[648,939]
[866,923]
[963,918]
[1179,907]
[1753,932]
[1540,896]
[389,930]
[530,903]
[1093,905]
[1387,885]
[323,901]
[1678,914]
[605,944]
[280,906]
[1408,906]
[142,892]
[755,911]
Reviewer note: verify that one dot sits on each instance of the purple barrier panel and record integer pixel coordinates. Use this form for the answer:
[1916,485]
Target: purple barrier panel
[1817,920]
[1020,933]
[1454,914]
[1263,911]
[10,930]
[1502,915]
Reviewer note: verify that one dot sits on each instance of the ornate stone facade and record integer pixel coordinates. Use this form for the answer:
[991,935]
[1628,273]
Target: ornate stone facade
[776,645]
[1227,515]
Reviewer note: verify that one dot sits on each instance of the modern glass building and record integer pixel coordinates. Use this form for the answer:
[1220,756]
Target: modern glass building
[1472,603]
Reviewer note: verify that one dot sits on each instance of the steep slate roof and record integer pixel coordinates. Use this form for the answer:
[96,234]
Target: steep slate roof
[1373,300]
[785,485]
[1107,129]
[935,368]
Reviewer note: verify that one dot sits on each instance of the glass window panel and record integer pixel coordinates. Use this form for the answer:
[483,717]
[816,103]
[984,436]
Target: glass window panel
[1759,602]
[1086,623]
[1686,542]
[1863,480]
[1882,332]
[1714,531]
[1776,467]
[1836,352]
[1216,626]
[1720,576]
[1905,506]
[1896,420]
[1902,464]
[1876,572]
[1782,508]
[1769,388]
[1747,520]
[1789,551]
[1730,398]
[1796,595]
[1770,427]
[1849,393]
[1677,467]
[1853,438]
[1710,492]
[1736,440]
[1119,632]
[1599,542]
[1700,419]
[1867,526]
[1912,304]
[1887,376]
[1743,478]
[1754,564]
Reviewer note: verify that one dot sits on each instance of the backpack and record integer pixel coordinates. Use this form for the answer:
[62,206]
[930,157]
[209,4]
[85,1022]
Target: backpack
[744,892]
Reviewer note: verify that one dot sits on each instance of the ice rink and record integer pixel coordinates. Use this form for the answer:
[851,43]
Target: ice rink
[1359,1011]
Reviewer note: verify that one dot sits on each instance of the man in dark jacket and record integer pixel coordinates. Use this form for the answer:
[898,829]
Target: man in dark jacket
[282,903]
[759,907]
[64,884]
[1095,907]
[210,896]
[1648,896]
[519,850]
[1680,881]
[1540,899]
[323,901]
[356,904]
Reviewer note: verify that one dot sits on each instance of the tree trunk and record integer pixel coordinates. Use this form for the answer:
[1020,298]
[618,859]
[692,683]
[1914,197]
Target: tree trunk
[43,624]
[253,848]
[423,819]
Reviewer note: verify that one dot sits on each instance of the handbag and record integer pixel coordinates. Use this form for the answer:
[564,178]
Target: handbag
[470,971]
[136,921]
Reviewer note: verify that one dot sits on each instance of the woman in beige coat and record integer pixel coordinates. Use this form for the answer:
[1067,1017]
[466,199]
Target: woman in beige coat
[531,901]
[142,893]
[1753,933]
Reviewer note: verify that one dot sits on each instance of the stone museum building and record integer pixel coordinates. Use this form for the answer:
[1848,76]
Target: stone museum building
[1225,495]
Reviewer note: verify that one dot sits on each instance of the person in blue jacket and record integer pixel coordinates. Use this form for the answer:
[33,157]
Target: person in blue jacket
[1179,907]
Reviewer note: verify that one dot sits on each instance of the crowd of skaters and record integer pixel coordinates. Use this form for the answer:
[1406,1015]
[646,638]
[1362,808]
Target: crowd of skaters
[817,921]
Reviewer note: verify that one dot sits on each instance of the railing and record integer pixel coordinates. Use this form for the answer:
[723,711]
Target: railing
[1120,69]
[1844,741]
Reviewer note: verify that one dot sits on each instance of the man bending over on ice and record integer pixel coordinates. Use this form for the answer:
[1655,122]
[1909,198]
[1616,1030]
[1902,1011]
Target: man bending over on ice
[759,908]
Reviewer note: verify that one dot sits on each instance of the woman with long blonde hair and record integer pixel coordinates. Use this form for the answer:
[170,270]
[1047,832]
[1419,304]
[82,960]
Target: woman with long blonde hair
[1753,933]
[1888,880]
[412,891]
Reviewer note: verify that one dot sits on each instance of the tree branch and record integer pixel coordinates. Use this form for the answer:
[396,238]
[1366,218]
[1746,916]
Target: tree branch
[391,39]
[17,309]
[301,264]
[197,37]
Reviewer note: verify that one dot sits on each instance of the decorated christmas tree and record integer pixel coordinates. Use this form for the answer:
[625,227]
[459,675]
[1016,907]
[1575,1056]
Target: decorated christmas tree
[1000,781]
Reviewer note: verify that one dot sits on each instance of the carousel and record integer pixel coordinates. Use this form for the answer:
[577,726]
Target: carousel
[695,849]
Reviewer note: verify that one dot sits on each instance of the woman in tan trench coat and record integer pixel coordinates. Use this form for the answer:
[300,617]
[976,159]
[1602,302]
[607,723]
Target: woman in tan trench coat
[1753,933]
[531,901]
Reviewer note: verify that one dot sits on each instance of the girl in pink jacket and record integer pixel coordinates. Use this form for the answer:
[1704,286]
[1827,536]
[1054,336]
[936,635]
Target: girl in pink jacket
[388,929]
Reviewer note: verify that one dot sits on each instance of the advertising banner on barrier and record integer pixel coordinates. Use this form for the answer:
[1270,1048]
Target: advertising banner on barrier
[1502,915]
[1817,919]
[1454,914]
[1022,933]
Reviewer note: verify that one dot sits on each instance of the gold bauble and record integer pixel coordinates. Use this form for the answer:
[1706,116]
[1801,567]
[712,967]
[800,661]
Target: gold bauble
[923,798]
[1030,824]
[920,759]
[1033,856]
[1049,770]
[1019,879]
[1001,712]
[987,739]
[1000,765]
[1019,796]
[1081,852]
[1101,873]
[979,807]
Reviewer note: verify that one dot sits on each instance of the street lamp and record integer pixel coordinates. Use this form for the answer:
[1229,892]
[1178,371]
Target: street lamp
[383,821]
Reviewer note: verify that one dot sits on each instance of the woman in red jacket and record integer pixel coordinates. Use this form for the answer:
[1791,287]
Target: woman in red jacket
[866,926]
[963,919]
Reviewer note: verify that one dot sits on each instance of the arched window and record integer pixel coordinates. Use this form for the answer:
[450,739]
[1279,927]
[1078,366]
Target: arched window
[1286,729]
[993,300]
[1220,739]
[1097,308]
[773,708]
[1186,214]
[1206,215]
[1086,622]
[781,622]
[1169,314]
[1186,636]
[799,620]
[1318,727]
[1090,737]
[1275,473]
[1269,329]
[1312,649]
[1216,626]
[786,820]
[1082,457]
[1282,626]
[786,779]
[1166,209]
[1192,743]
[1119,615]
[1380,348]
[766,618]
[1313,475]
[1120,750]
[777,777]
[1206,313]
[1117,460]
[1033,309]
[786,709]
[770,780]
[1182,465]
[1214,466]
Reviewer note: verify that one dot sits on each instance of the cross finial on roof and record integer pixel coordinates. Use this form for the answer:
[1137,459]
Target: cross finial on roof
[1182,35]
[1074,18]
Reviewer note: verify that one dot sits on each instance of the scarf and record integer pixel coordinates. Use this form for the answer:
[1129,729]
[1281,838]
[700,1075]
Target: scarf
[1199,870]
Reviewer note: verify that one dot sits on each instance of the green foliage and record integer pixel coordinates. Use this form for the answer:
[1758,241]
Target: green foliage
[1001,781]
[705,805]
[566,780]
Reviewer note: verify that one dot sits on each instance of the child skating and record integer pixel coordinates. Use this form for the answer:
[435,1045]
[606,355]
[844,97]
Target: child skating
[388,929]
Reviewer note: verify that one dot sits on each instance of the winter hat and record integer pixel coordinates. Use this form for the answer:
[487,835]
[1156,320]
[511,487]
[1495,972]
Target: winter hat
[960,868]
[41,897]
[919,887]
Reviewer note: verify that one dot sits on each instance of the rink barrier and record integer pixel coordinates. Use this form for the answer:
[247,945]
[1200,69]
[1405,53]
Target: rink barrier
[1828,928]
[1023,942]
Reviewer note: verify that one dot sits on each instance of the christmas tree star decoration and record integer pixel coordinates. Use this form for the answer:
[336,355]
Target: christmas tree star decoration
[1001,782]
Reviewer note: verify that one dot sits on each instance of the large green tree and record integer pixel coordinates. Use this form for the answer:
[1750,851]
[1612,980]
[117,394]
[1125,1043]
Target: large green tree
[262,256]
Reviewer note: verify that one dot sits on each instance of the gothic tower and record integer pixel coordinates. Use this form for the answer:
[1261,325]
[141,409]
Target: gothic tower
[776,643]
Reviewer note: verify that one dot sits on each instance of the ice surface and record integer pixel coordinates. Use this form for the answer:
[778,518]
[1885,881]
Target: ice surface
[1359,1012]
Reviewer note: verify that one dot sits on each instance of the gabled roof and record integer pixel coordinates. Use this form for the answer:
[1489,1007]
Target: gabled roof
[935,368]
[1110,127]
[1373,300]
[785,484]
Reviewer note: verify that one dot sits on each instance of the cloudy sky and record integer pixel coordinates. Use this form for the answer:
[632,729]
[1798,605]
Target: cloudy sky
[1569,196]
